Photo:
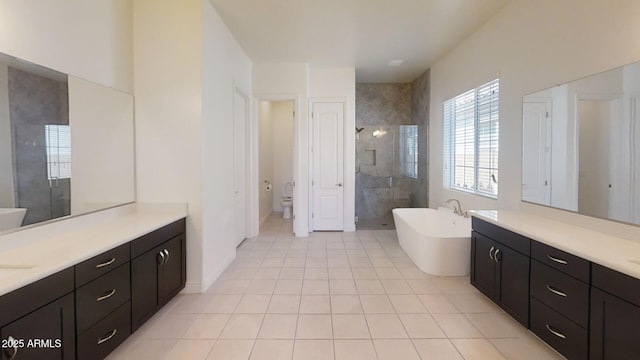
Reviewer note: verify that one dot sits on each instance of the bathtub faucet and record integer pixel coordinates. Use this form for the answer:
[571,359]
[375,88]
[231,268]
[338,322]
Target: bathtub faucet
[458,209]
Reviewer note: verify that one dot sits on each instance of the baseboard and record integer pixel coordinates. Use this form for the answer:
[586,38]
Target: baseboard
[192,287]
[264,218]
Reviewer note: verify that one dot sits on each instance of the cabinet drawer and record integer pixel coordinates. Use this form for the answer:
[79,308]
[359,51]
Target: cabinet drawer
[619,284]
[561,292]
[102,296]
[561,333]
[99,340]
[563,261]
[515,241]
[147,242]
[101,264]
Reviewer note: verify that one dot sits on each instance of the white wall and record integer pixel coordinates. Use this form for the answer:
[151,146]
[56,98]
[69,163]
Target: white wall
[289,81]
[327,83]
[226,67]
[531,45]
[282,135]
[7,193]
[87,39]
[167,40]
[265,139]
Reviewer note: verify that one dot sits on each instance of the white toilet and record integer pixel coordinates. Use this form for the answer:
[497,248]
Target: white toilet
[287,200]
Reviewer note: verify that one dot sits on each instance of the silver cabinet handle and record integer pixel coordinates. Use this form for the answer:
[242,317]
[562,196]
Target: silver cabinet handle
[12,341]
[166,252]
[555,291]
[106,296]
[555,259]
[106,263]
[491,253]
[495,255]
[108,337]
[554,332]
[161,258]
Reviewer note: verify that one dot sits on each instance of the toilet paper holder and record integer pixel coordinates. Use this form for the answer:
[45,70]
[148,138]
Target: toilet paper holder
[267,185]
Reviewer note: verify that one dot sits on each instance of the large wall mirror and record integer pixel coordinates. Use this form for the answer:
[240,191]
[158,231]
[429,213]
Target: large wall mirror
[581,146]
[66,145]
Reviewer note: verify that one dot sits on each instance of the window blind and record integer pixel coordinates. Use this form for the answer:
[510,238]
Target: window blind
[471,132]
[58,145]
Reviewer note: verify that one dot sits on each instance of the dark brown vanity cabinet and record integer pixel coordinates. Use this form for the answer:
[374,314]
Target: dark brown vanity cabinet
[500,268]
[615,315]
[158,271]
[37,321]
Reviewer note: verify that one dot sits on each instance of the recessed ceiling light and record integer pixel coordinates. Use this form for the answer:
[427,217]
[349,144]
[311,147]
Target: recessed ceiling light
[395,62]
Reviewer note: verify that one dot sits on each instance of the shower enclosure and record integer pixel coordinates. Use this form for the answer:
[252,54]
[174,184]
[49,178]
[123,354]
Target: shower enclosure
[386,167]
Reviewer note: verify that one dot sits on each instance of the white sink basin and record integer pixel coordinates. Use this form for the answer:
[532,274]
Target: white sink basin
[11,218]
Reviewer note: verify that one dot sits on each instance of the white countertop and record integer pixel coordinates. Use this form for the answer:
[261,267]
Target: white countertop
[43,255]
[613,252]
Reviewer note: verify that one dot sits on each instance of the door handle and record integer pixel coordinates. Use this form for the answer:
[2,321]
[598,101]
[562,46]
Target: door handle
[339,184]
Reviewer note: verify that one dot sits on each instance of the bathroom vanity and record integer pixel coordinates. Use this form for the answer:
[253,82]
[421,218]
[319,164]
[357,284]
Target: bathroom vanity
[576,289]
[80,294]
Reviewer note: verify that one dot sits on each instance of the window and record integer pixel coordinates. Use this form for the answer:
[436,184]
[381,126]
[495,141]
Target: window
[58,141]
[409,151]
[471,129]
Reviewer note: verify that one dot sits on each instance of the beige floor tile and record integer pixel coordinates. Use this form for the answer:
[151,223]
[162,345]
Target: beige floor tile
[473,302]
[376,304]
[497,325]
[423,286]
[453,285]
[277,251]
[192,304]
[295,258]
[388,273]
[142,349]
[477,349]
[369,287]
[350,327]
[407,304]
[292,273]
[421,326]
[253,304]
[377,253]
[337,253]
[224,304]
[364,273]
[338,262]
[402,262]
[340,273]
[437,304]
[231,350]
[230,286]
[315,304]
[316,263]
[272,262]
[315,287]
[398,286]
[168,326]
[345,304]
[268,273]
[314,327]
[261,286]
[381,262]
[386,326]
[413,273]
[207,326]
[240,274]
[284,304]
[191,349]
[316,252]
[315,273]
[278,326]
[357,253]
[360,262]
[342,287]
[313,350]
[355,350]
[395,350]
[272,350]
[526,348]
[437,349]
[242,326]
[457,326]
[288,287]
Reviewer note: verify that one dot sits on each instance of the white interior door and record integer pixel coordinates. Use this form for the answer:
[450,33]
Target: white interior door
[240,120]
[328,159]
[536,151]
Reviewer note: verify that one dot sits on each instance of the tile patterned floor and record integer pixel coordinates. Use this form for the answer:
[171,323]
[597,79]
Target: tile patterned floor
[331,296]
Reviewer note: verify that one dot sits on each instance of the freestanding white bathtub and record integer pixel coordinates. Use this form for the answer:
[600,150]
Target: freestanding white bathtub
[438,241]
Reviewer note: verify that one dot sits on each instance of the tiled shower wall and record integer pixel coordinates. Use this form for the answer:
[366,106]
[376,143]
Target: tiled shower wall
[383,108]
